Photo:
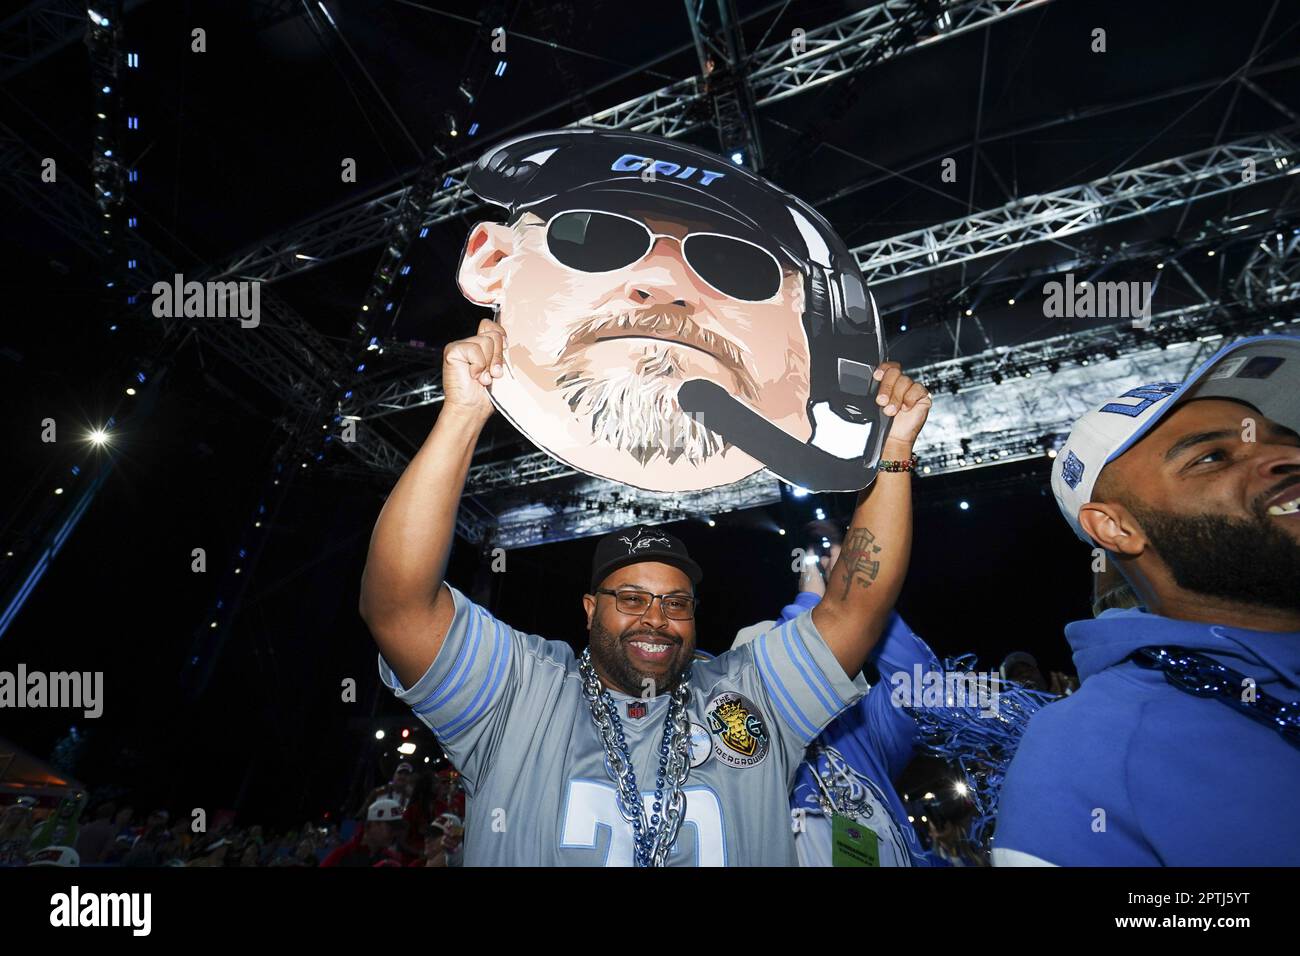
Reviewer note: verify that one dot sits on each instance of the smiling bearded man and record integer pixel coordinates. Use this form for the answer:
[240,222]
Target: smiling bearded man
[1184,733]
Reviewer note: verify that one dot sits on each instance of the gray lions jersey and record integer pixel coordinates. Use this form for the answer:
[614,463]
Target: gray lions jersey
[509,711]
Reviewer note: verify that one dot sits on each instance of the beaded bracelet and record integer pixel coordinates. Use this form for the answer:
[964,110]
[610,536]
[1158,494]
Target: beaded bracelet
[886,464]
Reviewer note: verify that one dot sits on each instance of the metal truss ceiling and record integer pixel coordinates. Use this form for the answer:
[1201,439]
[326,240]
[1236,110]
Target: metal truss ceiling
[1065,212]
[833,51]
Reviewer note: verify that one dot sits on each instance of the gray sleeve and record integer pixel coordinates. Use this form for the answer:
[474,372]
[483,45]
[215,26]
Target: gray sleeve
[472,685]
[803,685]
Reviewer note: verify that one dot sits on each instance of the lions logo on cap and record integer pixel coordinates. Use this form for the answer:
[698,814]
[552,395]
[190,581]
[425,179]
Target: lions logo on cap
[1072,470]
[638,543]
[742,739]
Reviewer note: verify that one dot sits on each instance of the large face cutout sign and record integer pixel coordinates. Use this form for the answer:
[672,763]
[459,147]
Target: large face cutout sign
[674,322]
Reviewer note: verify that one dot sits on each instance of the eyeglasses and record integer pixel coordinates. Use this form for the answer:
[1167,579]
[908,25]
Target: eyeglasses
[676,607]
[592,241]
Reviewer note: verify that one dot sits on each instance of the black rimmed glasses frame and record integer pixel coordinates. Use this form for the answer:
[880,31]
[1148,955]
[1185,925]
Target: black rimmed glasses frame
[624,597]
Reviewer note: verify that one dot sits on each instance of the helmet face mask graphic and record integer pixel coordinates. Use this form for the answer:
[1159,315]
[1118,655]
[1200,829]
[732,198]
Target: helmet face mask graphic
[673,322]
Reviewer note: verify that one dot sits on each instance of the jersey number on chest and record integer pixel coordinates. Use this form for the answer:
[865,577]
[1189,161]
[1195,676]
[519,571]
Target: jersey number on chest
[592,804]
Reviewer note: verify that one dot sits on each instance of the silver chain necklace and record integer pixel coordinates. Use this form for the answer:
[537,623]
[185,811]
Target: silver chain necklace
[654,837]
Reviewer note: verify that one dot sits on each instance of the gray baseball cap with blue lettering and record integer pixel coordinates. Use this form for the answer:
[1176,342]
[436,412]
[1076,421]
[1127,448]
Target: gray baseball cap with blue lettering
[1262,371]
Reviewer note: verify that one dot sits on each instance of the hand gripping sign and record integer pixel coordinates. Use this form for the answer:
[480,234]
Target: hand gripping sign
[673,321]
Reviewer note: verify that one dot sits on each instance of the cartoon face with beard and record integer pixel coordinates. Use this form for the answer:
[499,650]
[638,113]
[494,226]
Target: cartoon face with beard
[594,358]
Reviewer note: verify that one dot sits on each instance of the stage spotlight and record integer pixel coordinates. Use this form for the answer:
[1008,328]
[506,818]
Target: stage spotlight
[780,530]
[379,735]
[961,788]
[130,391]
[902,327]
[712,523]
[798,492]
[821,515]
[405,733]
[58,491]
[964,506]
[450,119]
[406,749]
[98,436]
[737,157]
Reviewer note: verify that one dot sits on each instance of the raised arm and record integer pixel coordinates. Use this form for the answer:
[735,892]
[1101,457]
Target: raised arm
[403,600]
[865,581]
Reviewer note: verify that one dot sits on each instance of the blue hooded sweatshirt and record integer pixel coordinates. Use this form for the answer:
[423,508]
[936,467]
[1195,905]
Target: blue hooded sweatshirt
[1132,771]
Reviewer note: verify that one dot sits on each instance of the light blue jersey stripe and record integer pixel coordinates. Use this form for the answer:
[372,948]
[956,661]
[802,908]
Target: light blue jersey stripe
[460,670]
[769,673]
[812,674]
[488,691]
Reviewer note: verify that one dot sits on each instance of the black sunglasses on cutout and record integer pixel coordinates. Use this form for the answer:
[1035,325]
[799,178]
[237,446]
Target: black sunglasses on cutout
[594,241]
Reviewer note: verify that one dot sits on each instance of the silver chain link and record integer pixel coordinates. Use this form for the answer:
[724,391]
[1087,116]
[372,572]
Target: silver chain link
[618,761]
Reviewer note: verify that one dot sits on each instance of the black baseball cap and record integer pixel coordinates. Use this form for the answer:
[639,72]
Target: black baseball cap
[602,169]
[636,544]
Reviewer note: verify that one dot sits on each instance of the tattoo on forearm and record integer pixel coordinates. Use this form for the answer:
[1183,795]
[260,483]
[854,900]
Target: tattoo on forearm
[858,558]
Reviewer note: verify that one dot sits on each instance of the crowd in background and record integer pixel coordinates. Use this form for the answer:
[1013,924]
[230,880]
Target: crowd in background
[416,819]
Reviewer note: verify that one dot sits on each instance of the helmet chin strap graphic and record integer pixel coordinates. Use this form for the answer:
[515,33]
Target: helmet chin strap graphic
[804,465]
